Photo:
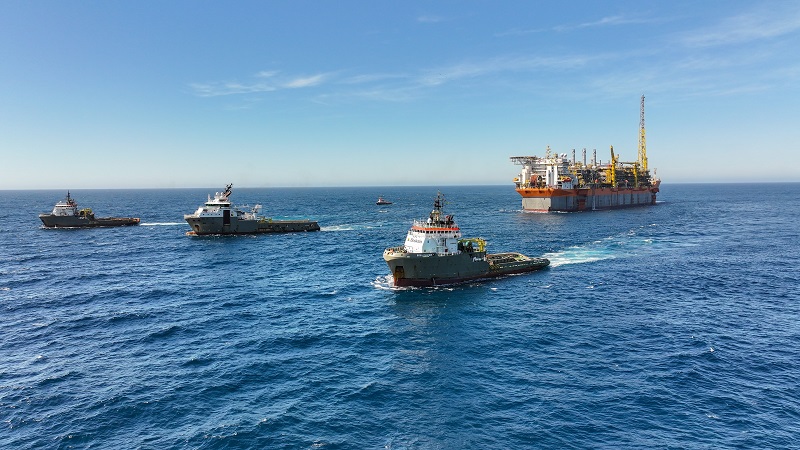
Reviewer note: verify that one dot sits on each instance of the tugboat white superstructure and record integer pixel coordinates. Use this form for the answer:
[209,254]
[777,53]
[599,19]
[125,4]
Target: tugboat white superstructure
[67,215]
[434,253]
[219,216]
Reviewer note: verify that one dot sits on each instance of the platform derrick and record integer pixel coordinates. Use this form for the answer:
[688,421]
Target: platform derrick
[633,174]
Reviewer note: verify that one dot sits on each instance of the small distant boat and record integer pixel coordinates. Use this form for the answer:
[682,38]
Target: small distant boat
[383,201]
[66,215]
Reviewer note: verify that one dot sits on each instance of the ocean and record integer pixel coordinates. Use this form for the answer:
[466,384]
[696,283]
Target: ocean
[669,326]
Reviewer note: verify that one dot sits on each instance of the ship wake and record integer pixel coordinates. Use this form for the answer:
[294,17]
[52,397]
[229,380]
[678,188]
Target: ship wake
[622,246]
[577,255]
[353,227]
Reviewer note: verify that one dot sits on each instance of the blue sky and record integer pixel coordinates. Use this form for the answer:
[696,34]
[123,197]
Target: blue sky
[153,94]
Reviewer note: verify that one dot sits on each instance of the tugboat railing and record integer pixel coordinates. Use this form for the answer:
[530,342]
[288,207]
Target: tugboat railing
[439,225]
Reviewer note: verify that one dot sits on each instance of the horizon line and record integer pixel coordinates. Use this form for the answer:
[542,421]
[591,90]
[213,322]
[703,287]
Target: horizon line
[369,186]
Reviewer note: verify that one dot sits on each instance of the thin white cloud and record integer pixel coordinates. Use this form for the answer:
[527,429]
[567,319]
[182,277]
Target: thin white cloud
[603,22]
[455,72]
[228,88]
[399,88]
[739,55]
[314,80]
[702,69]
[791,73]
[394,94]
[764,23]
[520,32]
[442,75]
[216,89]
[394,86]
[692,77]
[372,78]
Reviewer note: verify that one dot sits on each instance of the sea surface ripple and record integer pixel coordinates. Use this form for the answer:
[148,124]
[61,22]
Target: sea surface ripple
[671,326]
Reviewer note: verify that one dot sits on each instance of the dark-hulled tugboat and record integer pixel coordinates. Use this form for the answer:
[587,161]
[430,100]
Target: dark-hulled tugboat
[67,215]
[434,254]
[219,216]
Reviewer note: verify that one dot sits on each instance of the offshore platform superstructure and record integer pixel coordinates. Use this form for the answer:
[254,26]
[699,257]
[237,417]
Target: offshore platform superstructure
[557,183]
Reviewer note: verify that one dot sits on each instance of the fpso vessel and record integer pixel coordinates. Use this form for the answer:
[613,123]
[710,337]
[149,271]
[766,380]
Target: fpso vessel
[557,183]
[434,254]
[219,216]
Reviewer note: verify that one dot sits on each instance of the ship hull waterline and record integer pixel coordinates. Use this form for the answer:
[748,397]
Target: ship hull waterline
[217,225]
[584,199]
[427,270]
[53,221]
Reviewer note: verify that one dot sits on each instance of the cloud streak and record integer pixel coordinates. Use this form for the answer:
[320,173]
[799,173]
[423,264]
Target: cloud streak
[394,86]
[608,21]
[267,81]
[445,74]
[757,25]
[229,88]
[303,82]
[689,64]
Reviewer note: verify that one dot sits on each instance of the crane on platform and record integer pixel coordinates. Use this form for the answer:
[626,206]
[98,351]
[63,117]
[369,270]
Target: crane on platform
[642,142]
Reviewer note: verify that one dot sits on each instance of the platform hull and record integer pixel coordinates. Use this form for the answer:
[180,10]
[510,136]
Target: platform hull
[424,270]
[218,225]
[53,221]
[569,200]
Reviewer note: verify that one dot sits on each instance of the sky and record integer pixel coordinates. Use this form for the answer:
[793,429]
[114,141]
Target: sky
[153,94]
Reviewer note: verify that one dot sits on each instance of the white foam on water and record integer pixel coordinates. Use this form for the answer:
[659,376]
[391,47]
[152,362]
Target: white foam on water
[352,227]
[579,254]
[338,228]
[600,250]
[384,282]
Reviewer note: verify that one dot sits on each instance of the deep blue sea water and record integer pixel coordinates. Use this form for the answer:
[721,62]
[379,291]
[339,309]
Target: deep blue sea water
[671,326]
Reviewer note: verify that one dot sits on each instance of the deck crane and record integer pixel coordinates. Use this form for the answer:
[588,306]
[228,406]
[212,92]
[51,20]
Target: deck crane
[642,143]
